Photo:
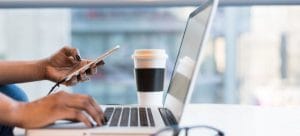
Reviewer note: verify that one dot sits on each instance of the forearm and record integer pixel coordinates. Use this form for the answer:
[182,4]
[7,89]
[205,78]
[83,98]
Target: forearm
[8,108]
[21,71]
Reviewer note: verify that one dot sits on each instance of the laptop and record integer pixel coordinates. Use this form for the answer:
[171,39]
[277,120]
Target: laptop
[137,120]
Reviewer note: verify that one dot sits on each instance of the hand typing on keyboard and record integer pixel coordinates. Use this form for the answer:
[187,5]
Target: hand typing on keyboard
[59,106]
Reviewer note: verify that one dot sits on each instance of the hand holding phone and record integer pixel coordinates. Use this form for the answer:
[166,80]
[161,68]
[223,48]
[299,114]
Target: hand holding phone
[85,67]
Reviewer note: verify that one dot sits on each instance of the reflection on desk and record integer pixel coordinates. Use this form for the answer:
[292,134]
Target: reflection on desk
[244,120]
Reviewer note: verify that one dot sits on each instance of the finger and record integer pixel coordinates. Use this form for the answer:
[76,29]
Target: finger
[82,77]
[99,110]
[74,114]
[82,64]
[73,52]
[92,70]
[72,60]
[100,63]
[72,81]
[68,61]
[82,118]
[83,102]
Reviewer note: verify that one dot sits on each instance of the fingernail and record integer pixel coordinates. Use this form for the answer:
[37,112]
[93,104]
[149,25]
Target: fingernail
[78,57]
[101,63]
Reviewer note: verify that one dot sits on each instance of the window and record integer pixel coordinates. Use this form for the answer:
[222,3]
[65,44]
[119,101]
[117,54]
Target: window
[251,59]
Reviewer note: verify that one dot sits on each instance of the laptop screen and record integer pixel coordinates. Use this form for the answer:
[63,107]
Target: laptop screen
[187,59]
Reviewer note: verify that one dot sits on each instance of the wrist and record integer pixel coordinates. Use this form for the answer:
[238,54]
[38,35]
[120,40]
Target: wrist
[42,69]
[18,114]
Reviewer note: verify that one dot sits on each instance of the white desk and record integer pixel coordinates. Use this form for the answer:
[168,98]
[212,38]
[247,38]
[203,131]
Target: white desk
[242,120]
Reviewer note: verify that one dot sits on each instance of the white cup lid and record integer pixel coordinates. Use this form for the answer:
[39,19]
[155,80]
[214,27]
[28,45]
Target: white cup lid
[149,54]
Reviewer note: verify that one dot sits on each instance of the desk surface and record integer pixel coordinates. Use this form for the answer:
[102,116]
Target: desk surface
[243,120]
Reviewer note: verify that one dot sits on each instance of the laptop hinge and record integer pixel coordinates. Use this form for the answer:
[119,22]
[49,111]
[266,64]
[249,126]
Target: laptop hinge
[167,117]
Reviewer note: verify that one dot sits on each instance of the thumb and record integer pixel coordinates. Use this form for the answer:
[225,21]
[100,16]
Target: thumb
[72,52]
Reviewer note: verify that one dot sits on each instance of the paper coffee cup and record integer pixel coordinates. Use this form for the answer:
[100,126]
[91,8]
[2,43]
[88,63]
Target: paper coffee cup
[149,69]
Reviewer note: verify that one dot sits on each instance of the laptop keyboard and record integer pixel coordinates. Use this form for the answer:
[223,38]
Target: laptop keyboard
[129,116]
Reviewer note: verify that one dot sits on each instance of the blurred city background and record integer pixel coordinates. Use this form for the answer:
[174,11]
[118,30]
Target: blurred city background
[252,58]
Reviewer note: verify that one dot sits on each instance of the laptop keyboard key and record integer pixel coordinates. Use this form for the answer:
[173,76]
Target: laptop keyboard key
[167,117]
[143,117]
[107,113]
[125,117]
[115,117]
[134,117]
[151,120]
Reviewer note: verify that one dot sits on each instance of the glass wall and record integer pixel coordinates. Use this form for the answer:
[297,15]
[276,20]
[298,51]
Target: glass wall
[252,56]
[97,30]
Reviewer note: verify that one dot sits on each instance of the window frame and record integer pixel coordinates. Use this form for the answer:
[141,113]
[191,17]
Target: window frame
[132,3]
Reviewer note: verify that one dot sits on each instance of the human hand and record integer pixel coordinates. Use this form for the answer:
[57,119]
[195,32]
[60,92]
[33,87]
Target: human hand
[66,61]
[61,105]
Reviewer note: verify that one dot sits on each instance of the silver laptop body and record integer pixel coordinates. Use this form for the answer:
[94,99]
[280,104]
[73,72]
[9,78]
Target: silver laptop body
[135,120]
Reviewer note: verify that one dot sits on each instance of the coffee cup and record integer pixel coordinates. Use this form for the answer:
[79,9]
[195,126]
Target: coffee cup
[149,73]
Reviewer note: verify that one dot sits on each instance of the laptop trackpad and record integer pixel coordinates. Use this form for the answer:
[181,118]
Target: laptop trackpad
[64,124]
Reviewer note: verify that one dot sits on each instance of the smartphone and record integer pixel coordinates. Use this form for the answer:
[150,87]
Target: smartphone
[87,66]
